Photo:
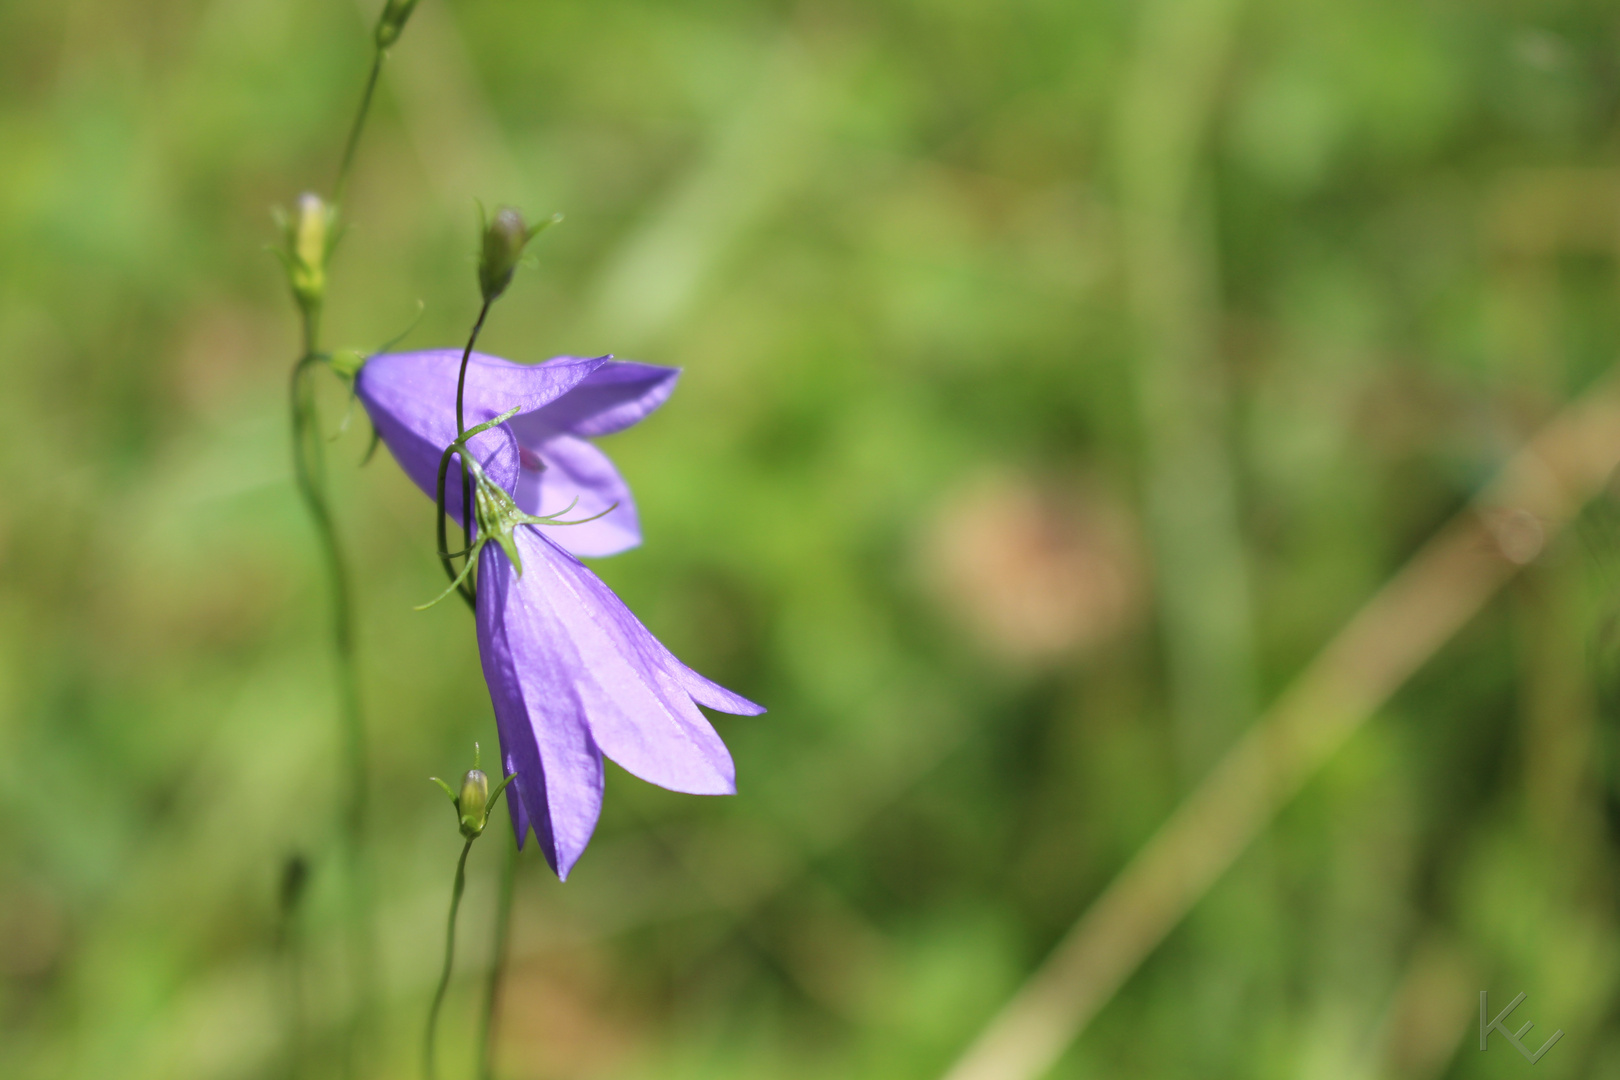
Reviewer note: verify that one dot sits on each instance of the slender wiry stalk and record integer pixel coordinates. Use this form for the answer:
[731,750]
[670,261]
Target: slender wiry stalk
[466,354]
[497,968]
[461,425]
[309,471]
[360,115]
[446,557]
[428,1069]
[467,590]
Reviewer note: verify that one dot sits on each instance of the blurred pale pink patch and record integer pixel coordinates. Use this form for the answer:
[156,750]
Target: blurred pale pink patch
[1036,573]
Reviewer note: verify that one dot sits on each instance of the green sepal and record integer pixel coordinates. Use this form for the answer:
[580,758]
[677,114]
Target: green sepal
[371,448]
[346,363]
[496,514]
[495,795]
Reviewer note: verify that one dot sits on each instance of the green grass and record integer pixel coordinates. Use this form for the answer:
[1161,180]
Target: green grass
[1059,378]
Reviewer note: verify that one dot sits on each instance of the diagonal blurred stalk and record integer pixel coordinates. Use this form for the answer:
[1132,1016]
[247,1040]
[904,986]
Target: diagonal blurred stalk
[1417,611]
[1170,278]
[447,115]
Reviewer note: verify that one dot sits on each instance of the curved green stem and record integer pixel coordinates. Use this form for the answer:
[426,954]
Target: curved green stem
[456,580]
[310,473]
[466,354]
[309,469]
[461,426]
[459,447]
[428,1066]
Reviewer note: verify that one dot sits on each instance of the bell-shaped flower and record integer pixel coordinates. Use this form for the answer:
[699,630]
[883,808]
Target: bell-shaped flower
[573,675]
[541,455]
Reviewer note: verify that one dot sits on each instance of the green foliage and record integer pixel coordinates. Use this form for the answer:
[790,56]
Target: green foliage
[902,497]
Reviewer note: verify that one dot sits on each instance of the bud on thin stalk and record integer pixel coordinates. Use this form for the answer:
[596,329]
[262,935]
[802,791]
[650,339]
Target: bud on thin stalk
[308,236]
[503,242]
[473,804]
[391,23]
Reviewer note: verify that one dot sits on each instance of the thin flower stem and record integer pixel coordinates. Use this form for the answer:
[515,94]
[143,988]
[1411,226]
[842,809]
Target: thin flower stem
[461,427]
[429,1070]
[444,544]
[466,354]
[309,470]
[458,448]
[466,478]
[497,968]
[310,473]
[359,124]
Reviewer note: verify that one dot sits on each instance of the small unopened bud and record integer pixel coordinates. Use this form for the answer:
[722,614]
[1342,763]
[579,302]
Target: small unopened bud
[392,21]
[473,803]
[504,240]
[309,239]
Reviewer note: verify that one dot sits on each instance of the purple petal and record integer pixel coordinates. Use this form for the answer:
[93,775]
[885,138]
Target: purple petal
[635,637]
[639,713]
[411,398]
[705,692]
[514,797]
[565,473]
[610,399]
[533,666]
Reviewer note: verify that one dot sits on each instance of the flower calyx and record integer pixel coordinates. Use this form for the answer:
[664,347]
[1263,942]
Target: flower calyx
[475,800]
[504,238]
[495,512]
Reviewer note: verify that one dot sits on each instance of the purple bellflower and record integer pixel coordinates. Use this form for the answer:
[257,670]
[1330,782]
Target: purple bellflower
[572,673]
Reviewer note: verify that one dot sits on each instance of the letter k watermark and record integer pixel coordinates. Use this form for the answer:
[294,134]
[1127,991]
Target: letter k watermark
[1512,1037]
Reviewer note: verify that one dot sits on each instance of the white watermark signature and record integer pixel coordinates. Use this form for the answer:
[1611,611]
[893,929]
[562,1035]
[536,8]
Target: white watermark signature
[1513,1037]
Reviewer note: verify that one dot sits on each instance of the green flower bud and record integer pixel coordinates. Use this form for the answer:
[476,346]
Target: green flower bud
[473,803]
[504,241]
[309,235]
[392,21]
[475,800]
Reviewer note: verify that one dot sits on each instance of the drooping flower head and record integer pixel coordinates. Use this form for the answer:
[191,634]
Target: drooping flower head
[573,675]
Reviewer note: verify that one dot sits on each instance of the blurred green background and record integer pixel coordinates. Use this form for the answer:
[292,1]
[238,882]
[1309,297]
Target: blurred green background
[1059,377]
